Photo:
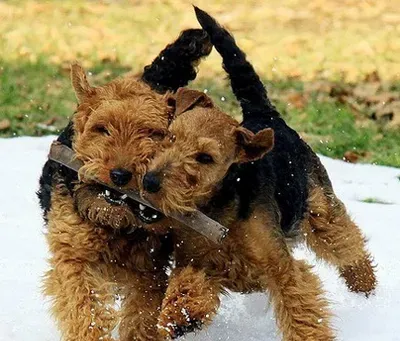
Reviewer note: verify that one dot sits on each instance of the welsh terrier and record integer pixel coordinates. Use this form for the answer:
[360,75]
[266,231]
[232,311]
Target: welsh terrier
[264,183]
[103,245]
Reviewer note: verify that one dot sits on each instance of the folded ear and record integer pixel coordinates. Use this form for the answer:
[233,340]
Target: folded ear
[252,146]
[80,83]
[186,99]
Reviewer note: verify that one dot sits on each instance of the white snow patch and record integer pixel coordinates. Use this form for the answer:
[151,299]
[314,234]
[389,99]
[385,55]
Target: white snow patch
[24,312]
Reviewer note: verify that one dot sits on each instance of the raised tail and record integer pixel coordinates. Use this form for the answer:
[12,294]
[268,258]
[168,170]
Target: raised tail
[175,66]
[246,84]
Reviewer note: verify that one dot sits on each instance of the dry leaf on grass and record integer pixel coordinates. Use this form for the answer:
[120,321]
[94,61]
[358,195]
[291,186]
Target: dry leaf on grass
[364,91]
[351,157]
[5,124]
[373,77]
[50,121]
[297,100]
[371,99]
[389,114]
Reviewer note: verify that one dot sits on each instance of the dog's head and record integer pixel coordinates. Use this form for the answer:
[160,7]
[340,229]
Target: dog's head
[118,128]
[203,144]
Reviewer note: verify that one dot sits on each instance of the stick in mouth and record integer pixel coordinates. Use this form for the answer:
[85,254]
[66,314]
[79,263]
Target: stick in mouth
[197,221]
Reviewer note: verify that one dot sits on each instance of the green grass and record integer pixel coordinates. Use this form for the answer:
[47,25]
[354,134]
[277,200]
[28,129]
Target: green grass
[375,201]
[329,127]
[332,130]
[38,40]
[33,93]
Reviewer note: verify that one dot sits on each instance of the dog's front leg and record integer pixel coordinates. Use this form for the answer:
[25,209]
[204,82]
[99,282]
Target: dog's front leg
[143,294]
[78,282]
[296,293]
[191,301]
[82,301]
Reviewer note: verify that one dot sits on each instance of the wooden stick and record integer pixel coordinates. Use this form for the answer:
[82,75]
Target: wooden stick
[198,221]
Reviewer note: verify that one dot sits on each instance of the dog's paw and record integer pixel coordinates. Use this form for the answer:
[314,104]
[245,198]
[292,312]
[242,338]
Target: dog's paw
[360,277]
[191,301]
[186,313]
[173,330]
[196,43]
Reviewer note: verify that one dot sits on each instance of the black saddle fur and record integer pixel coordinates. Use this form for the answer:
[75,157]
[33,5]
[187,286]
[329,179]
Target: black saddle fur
[281,176]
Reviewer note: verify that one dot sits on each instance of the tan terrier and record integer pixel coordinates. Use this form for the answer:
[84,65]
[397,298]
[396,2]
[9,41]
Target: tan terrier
[267,186]
[104,245]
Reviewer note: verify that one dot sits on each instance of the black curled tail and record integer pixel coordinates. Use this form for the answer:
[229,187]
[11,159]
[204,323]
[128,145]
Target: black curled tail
[246,84]
[175,66]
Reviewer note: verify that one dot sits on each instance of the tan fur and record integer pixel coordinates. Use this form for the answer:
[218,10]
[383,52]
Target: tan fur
[203,129]
[118,125]
[255,255]
[90,266]
[141,306]
[94,256]
[191,298]
[131,113]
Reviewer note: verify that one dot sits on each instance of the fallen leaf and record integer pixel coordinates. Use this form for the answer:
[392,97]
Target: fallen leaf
[373,77]
[297,99]
[339,90]
[5,124]
[366,90]
[50,121]
[389,113]
[351,157]
[383,97]
[319,86]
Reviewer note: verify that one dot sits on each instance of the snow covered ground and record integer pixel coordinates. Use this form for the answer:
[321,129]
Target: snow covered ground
[23,311]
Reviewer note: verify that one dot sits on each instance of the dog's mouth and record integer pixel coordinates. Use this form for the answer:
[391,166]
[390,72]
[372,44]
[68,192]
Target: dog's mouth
[113,197]
[144,213]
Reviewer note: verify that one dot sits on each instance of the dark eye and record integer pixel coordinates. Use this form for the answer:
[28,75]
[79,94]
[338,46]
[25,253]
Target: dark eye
[157,135]
[204,158]
[102,130]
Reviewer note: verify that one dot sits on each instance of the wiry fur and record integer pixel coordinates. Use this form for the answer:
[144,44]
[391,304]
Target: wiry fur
[263,198]
[90,266]
[99,248]
[174,67]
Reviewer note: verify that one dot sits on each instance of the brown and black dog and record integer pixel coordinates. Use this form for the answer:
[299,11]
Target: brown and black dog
[103,245]
[260,179]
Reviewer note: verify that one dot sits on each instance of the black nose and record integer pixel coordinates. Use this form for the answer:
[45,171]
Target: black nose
[120,176]
[151,182]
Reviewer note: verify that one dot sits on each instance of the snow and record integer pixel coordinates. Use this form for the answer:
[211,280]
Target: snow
[24,312]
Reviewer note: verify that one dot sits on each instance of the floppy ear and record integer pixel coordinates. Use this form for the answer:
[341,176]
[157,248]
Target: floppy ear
[252,146]
[186,99]
[79,81]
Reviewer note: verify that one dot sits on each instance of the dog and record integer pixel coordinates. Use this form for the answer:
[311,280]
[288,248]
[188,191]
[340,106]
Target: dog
[104,246]
[263,182]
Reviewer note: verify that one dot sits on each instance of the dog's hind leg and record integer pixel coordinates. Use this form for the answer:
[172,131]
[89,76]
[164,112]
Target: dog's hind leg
[335,238]
[143,294]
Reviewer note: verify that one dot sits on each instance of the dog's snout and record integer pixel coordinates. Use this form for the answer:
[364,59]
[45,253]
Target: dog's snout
[152,182]
[120,176]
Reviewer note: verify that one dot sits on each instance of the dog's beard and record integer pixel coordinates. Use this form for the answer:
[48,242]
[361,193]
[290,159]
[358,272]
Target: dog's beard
[108,208]
[179,195]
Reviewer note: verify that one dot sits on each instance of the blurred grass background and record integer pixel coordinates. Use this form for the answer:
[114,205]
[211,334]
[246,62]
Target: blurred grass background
[332,66]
